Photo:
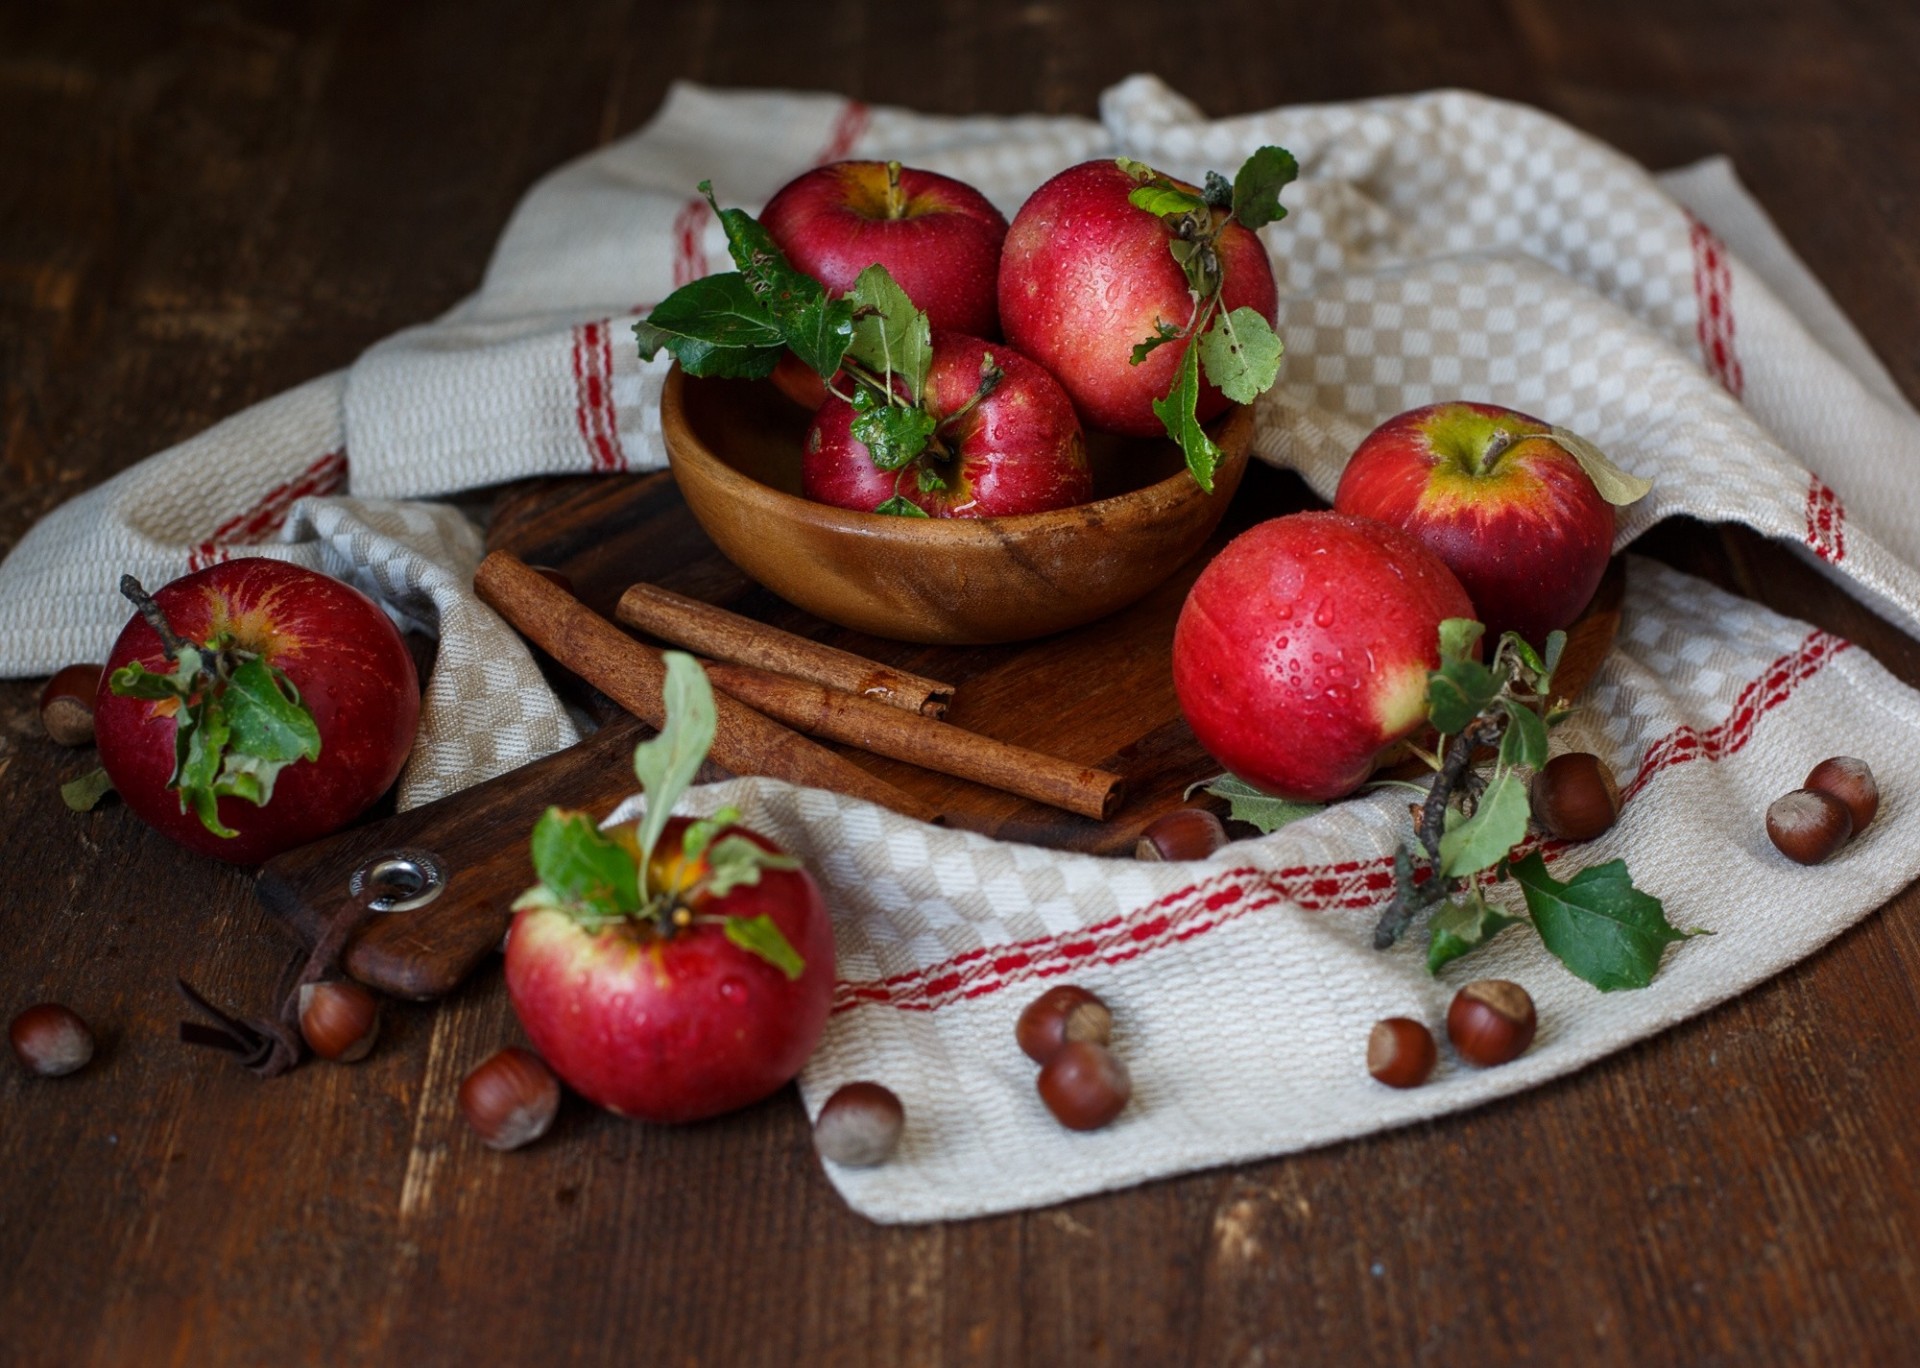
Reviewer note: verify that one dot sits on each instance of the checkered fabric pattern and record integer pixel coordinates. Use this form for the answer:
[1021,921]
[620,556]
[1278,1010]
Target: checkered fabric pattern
[1440,245]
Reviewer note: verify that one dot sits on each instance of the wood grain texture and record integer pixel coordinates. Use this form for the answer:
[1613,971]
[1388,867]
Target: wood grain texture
[203,205]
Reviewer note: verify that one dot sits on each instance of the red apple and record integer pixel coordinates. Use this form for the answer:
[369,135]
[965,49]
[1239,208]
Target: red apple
[1019,449]
[939,239]
[1495,495]
[1086,276]
[1302,651]
[319,639]
[682,1024]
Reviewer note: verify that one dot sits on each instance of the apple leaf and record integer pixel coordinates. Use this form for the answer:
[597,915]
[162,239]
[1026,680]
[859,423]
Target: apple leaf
[1525,740]
[582,873]
[1598,924]
[816,328]
[1241,353]
[667,763]
[1457,692]
[761,936]
[893,434]
[1613,484]
[714,326]
[1257,186]
[1245,803]
[900,506]
[736,862]
[85,793]
[269,721]
[1163,199]
[1481,841]
[1462,926]
[1457,636]
[1177,414]
[699,834]
[890,336]
[1163,333]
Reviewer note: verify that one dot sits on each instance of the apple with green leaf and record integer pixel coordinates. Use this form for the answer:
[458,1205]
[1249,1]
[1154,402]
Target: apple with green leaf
[938,237]
[1151,300]
[253,706]
[1521,511]
[1302,652]
[1004,439]
[669,969]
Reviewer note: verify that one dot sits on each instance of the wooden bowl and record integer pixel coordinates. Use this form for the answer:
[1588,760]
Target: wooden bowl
[734,447]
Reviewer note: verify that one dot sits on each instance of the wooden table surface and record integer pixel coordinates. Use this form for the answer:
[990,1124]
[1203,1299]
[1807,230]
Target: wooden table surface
[201,205]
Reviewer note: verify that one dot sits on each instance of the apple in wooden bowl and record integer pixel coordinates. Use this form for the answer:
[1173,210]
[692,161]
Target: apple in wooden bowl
[735,450]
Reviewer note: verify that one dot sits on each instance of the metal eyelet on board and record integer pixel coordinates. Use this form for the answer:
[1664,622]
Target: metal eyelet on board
[399,880]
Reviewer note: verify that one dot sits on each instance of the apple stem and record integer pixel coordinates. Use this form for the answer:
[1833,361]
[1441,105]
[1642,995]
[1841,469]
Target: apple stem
[1499,442]
[896,202]
[170,641]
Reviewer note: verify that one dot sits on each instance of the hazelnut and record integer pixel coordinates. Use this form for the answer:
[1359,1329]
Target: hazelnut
[1575,796]
[1062,1013]
[1084,1085]
[1400,1052]
[1189,833]
[860,1125]
[51,1039]
[66,704]
[510,1098]
[1808,825]
[1490,1022]
[339,1019]
[1852,783]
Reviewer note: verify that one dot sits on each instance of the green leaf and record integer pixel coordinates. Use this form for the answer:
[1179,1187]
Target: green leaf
[1525,740]
[667,763]
[893,434]
[900,506]
[1614,484]
[1163,199]
[1457,692]
[890,335]
[200,738]
[1163,333]
[818,329]
[268,719]
[1241,353]
[1139,170]
[1598,924]
[695,839]
[1499,822]
[134,680]
[1257,186]
[714,326]
[760,936]
[586,875]
[736,862]
[1457,636]
[1458,927]
[85,793]
[1551,653]
[1176,413]
[1248,804]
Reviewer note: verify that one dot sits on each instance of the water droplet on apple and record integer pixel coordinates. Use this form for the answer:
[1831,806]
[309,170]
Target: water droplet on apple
[1279,643]
[733,990]
[1323,615]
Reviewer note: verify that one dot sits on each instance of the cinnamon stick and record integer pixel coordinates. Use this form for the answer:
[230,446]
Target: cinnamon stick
[923,741]
[715,632]
[634,676]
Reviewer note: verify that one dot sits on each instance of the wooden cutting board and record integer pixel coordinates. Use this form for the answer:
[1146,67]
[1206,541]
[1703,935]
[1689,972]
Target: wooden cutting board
[1100,695]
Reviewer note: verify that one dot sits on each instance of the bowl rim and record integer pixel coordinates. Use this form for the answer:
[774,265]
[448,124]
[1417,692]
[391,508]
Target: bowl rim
[1151,501]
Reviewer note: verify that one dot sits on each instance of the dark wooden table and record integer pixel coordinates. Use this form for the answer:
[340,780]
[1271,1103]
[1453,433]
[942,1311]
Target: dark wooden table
[201,205]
